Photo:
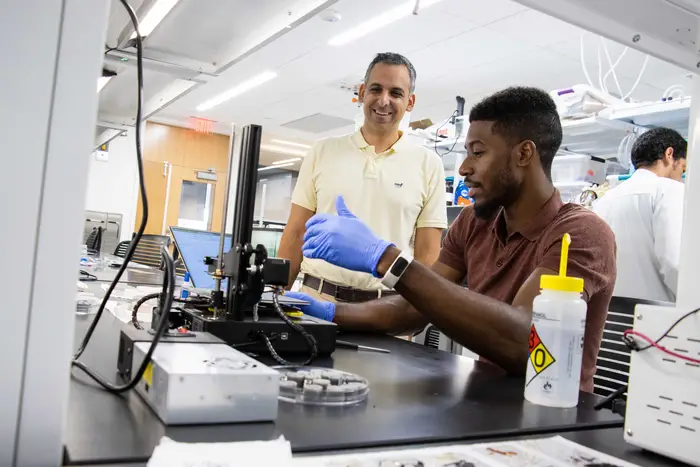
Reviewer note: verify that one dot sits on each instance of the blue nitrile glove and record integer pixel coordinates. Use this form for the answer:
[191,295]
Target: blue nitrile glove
[343,240]
[316,308]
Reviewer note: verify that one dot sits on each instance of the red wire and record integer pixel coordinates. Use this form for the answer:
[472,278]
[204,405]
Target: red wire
[661,347]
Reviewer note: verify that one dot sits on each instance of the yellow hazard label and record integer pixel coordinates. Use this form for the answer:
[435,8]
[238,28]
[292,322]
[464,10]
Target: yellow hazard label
[540,357]
[148,374]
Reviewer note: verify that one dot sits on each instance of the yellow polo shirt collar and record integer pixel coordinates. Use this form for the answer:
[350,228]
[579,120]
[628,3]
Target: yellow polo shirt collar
[362,144]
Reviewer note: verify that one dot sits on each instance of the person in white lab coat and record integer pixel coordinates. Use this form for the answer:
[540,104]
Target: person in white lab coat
[646,214]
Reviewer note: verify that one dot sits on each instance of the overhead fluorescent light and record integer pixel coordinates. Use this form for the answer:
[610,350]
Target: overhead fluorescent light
[379,21]
[275,166]
[282,150]
[291,143]
[102,82]
[154,16]
[284,161]
[237,90]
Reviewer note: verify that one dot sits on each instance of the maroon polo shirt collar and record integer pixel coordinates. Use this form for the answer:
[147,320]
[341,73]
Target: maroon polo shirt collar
[536,226]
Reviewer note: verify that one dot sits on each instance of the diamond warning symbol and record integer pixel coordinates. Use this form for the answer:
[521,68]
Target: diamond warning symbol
[540,357]
[534,338]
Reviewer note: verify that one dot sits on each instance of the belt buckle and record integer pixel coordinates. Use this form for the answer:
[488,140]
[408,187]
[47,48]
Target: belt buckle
[319,289]
[379,293]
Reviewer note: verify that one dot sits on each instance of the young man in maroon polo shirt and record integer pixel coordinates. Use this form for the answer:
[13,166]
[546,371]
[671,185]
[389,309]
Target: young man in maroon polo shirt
[501,245]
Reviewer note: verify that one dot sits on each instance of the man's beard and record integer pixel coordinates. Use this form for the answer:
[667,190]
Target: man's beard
[507,192]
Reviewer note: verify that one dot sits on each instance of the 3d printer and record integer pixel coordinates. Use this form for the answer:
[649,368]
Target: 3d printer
[240,310]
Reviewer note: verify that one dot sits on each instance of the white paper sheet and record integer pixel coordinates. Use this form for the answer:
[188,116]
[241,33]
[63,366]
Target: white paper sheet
[170,453]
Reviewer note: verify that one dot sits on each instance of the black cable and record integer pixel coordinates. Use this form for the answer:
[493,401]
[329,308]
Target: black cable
[165,304]
[276,356]
[248,344]
[142,183]
[137,305]
[310,340]
[436,136]
[632,344]
[134,311]
[612,396]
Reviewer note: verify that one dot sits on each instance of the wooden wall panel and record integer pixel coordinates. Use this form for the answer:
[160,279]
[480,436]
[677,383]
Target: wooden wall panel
[155,189]
[188,151]
[219,194]
[185,147]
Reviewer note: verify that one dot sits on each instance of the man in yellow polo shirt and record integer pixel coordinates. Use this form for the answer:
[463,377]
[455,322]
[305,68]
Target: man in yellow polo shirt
[395,186]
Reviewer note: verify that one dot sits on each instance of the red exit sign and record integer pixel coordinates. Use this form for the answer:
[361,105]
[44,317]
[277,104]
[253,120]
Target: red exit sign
[202,125]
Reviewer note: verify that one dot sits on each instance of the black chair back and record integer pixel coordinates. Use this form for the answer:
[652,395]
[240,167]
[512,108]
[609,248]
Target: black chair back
[122,248]
[613,364]
[94,241]
[148,249]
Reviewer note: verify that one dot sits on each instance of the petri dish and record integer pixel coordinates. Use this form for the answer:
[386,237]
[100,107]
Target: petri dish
[321,386]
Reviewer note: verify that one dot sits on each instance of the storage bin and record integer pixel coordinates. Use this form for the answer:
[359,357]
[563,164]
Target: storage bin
[578,168]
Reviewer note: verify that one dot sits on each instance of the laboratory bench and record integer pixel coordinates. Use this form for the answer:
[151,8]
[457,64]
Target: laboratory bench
[417,395]
[136,274]
[606,440]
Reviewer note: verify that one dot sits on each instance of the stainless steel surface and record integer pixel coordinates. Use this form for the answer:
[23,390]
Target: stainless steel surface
[231,148]
[190,383]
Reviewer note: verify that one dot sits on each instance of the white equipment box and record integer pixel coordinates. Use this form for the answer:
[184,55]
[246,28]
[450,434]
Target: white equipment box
[578,168]
[663,400]
[188,383]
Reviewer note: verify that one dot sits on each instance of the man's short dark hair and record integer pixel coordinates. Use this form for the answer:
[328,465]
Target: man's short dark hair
[523,113]
[390,58]
[652,144]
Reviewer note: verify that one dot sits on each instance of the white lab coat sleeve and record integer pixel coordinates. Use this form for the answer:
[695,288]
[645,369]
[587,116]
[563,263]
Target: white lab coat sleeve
[667,222]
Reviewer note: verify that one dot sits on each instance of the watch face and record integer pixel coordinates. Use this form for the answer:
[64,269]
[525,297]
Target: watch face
[399,265]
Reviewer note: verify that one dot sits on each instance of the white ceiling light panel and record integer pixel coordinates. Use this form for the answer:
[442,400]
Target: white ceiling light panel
[379,21]
[237,90]
[283,150]
[154,16]
[291,143]
[270,167]
[285,161]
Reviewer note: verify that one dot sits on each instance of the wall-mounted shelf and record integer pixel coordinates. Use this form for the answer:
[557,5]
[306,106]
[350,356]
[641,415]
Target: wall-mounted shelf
[594,136]
[672,114]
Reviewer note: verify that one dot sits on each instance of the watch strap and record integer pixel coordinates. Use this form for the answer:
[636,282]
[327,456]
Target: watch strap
[398,267]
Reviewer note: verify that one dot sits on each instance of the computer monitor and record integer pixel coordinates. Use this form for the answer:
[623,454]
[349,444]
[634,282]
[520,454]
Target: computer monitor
[193,246]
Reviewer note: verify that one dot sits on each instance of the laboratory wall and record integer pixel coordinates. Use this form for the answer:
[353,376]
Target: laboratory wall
[113,184]
[278,196]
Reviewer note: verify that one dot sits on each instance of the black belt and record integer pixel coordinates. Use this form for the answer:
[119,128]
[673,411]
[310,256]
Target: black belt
[342,293]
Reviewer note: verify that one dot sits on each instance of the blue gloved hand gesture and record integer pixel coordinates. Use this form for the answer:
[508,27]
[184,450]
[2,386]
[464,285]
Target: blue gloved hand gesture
[343,240]
[316,308]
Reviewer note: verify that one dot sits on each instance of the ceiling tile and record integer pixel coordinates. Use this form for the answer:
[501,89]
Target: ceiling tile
[318,123]
[480,12]
[535,28]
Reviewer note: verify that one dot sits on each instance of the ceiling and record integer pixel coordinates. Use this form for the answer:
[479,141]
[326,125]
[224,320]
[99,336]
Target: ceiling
[458,47]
